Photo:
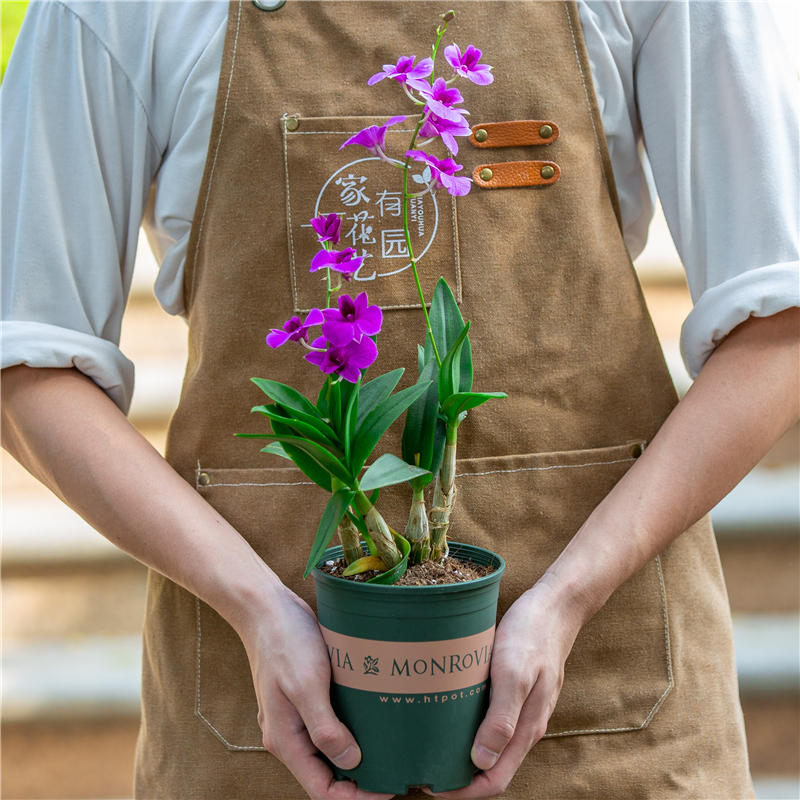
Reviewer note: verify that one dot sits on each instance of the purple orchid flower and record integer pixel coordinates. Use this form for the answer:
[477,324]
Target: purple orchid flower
[440,99]
[352,320]
[466,64]
[446,128]
[442,175]
[347,361]
[327,228]
[374,138]
[294,329]
[405,72]
[344,261]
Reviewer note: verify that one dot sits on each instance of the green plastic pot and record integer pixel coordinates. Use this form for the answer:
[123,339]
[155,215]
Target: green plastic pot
[410,671]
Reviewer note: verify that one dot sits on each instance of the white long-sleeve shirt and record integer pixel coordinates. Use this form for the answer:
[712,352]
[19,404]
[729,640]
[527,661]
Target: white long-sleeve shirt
[103,100]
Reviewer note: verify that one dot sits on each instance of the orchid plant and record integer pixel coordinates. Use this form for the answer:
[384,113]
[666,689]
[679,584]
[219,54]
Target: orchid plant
[331,439]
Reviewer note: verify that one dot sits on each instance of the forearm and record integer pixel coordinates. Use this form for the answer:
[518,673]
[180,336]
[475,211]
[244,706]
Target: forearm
[67,432]
[745,397]
[71,436]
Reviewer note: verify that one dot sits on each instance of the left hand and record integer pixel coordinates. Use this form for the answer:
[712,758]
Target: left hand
[531,645]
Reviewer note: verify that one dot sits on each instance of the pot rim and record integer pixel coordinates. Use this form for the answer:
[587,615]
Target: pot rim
[443,588]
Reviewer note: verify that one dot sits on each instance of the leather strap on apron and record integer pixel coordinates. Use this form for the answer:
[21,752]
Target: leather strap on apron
[649,706]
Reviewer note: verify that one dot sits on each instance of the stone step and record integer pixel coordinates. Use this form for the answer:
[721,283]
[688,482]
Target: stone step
[766,501]
[776,788]
[71,678]
[767,653]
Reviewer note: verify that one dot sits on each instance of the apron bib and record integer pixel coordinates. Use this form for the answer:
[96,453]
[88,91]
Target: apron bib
[649,707]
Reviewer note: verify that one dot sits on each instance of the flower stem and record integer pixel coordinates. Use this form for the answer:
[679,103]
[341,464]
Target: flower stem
[407,231]
[411,96]
[440,29]
[327,246]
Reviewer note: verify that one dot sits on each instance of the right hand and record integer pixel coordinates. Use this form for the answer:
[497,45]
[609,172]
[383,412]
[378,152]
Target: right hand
[292,674]
[161,520]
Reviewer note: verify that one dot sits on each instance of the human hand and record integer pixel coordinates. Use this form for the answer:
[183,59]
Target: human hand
[292,674]
[531,645]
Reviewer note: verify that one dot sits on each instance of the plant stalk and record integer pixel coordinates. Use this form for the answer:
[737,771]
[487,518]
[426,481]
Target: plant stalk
[444,498]
[379,531]
[350,539]
[417,530]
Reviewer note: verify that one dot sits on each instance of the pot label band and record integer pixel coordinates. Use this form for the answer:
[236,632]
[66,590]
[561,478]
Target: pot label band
[409,667]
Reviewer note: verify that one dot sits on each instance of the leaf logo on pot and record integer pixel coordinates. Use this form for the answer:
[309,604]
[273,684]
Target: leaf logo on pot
[409,667]
[371,665]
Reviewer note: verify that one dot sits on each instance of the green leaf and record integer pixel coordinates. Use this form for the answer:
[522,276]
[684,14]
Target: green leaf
[286,396]
[447,324]
[307,465]
[376,391]
[458,403]
[312,419]
[335,404]
[418,442]
[398,570]
[387,471]
[363,564]
[346,390]
[322,400]
[450,374]
[378,420]
[313,431]
[421,360]
[331,517]
[276,449]
[327,460]
[350,416]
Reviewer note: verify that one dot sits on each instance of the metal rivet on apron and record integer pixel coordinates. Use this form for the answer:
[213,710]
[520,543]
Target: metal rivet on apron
[481,135]
[636,450]
[547,172]
[486,174]
[292,123]
[203,479]
[269,5]
[546,131]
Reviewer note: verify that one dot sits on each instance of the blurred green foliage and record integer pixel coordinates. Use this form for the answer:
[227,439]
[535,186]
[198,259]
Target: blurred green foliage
[11,15]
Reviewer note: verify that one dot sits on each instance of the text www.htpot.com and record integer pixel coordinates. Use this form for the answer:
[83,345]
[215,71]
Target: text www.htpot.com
[440,698]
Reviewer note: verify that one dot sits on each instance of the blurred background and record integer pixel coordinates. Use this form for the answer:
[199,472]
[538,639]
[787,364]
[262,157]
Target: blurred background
[73,605]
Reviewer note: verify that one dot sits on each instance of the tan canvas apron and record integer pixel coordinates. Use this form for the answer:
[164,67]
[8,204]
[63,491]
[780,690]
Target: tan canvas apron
[649,706]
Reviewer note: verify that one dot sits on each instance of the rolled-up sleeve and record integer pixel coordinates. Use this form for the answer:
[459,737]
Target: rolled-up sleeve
[77,159]
[717,97]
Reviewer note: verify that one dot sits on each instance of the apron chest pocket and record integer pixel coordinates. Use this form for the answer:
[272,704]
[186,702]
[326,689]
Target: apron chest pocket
[366,193]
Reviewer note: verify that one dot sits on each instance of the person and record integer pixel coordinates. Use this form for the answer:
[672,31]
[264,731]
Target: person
[104,101]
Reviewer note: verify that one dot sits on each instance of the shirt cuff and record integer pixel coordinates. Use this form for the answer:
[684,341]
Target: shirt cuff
[759,293]
[38,344]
